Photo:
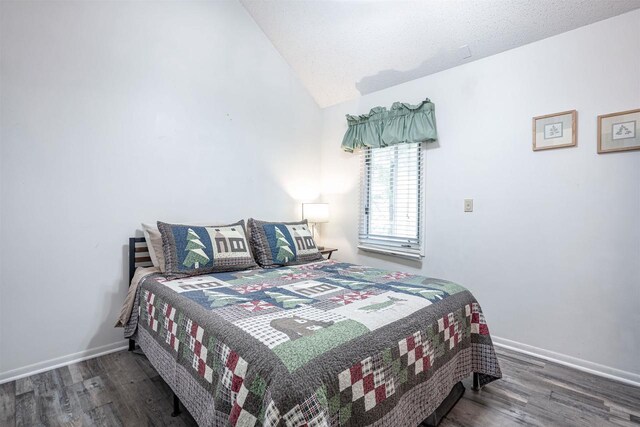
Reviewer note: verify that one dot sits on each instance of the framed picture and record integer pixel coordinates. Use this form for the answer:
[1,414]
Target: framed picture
[619,131]
[555,130]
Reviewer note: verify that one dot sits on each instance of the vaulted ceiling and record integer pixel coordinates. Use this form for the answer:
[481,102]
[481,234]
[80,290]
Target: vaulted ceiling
[343,49]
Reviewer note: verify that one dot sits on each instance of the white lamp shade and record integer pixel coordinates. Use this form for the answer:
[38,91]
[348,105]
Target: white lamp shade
[315,212]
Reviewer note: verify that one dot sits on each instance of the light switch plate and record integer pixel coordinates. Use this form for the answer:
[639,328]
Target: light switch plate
[468,205]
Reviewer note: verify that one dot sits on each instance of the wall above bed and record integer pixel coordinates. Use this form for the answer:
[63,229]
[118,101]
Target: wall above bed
[114,113]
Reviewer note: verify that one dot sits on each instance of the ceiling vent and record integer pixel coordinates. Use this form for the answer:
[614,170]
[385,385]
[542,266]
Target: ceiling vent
[464,52]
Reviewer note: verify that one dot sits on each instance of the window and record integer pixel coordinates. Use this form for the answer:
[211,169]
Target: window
[391,207]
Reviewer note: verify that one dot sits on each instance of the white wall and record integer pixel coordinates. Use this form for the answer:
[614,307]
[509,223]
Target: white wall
[113,112]
[117,112]
[552,249]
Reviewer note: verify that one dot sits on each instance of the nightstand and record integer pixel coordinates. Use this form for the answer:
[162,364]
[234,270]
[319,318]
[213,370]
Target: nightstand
[327,251]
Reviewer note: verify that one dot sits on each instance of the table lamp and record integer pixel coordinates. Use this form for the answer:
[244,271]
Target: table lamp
[315,213]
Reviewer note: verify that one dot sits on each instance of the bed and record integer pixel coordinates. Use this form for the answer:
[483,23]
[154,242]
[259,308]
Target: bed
[323,343]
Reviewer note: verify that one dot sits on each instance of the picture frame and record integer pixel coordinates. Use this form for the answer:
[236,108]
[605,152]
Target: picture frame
[619,131]
[556,130]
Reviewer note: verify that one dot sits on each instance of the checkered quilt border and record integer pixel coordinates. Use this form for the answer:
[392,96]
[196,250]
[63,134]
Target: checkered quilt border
[362,387]
[208,358]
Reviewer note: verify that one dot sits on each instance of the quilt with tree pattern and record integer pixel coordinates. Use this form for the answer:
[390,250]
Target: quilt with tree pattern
[320,344]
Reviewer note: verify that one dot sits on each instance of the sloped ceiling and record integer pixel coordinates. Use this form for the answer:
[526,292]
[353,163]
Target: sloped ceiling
[343,49]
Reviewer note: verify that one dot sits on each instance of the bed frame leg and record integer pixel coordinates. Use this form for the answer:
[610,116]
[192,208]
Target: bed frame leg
[132,345]
[176,406]
[476,381]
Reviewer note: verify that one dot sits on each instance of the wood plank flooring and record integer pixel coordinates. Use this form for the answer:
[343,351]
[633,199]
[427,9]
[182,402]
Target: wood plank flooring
[123,389]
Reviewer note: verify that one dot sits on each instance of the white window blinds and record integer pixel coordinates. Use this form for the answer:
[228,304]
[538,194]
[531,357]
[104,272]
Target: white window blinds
[391,201]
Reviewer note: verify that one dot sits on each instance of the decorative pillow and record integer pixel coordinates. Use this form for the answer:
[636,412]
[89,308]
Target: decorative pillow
[154,242]
[193,249]
[282,243]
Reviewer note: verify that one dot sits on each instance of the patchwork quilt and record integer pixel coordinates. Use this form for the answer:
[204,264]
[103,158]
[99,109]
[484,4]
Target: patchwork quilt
[320,344]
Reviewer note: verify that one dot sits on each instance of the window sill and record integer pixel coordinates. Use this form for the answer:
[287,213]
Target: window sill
[407,255]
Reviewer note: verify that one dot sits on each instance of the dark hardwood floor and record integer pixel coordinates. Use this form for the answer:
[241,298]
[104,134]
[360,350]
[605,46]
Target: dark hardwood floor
[123,389]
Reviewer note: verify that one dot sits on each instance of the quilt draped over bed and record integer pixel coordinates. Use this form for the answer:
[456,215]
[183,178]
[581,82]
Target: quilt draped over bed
[327,343]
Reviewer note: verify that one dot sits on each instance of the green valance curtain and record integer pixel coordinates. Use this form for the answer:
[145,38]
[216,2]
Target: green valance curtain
[402,123]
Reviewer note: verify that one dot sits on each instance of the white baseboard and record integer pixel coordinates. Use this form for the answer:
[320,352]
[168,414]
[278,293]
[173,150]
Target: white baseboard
[58,362]
[562,359]
[570,361]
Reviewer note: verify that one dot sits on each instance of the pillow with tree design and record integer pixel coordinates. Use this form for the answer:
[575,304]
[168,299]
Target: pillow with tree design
[282,243]
[196,249]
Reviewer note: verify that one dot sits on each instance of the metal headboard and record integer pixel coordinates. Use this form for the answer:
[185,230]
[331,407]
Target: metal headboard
[138,255]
